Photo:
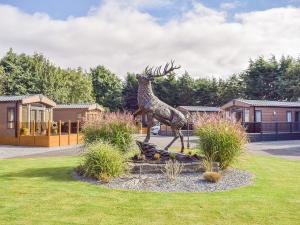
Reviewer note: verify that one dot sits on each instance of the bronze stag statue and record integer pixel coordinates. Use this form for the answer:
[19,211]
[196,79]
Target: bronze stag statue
[154,108]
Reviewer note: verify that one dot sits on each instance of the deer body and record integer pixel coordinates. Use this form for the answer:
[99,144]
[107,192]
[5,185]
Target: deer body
[154,108]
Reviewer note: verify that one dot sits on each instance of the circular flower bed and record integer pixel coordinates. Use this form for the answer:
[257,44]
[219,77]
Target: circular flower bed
[185,182]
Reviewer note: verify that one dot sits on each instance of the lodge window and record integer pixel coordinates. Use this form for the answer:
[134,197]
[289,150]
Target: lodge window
[246,115]
[11,118]
[289,117]
[258,118]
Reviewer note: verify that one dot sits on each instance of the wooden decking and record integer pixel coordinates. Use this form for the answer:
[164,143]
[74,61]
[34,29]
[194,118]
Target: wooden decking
[46,138]
[42,140]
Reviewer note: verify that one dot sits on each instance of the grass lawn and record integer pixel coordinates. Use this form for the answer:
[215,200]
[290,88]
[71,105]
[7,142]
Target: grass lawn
[42,191]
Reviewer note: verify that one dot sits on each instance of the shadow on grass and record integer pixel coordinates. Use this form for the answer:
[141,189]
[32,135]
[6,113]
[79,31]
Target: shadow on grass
[51,173]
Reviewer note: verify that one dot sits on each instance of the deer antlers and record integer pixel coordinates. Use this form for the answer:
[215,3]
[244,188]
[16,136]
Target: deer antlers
[157,71]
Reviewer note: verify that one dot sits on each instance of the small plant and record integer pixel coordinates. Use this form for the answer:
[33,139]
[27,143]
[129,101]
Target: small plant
[103,158]
[142,157]
[172,169]
[24,131]
[172,156]
[54,131]
[208,162]
[104,178]
[139,156]
[156,156]
[213,177]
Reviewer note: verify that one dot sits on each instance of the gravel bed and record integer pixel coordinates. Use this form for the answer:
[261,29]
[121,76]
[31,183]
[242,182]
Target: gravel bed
[189,182]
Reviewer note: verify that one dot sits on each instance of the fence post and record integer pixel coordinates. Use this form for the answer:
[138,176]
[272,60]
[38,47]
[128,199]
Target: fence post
[49,127]
[33,131]
[19,132]
[291,127]
[276,130]
[69,131]
[77,131]
[59,131]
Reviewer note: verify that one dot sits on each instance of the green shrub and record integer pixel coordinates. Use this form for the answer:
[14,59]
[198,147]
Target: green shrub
[221,140]
[172,155]
[103,160]
[115,128]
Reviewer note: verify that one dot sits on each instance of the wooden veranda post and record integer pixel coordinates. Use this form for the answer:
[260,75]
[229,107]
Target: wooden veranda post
[69,131]
[49,127]
[59,131]
[19,131]
[33,131]
[77,131]
[33,127]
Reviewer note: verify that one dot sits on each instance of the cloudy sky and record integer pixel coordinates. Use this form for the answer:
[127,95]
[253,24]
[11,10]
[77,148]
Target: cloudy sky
[206,37]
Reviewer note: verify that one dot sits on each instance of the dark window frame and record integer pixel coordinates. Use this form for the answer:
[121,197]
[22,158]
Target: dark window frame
[261,117]
[287,112]
[9,122]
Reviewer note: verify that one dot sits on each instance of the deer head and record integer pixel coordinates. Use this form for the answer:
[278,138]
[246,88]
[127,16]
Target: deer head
[150,73]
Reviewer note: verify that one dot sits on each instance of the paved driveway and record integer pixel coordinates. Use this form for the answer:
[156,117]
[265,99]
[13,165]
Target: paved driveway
[283,149]
[7,151]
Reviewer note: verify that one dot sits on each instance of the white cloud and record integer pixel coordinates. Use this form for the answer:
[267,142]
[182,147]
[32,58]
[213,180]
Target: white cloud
[142,3]
[126,40]
[230,5]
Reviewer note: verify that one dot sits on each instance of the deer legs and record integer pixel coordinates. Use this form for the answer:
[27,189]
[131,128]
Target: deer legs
[177,135]
[181,140]
[149,125]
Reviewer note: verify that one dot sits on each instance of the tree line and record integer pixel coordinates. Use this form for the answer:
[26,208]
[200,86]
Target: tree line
[264,79]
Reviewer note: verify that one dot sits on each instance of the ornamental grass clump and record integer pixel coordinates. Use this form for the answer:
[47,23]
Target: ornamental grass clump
[221,140]
[102,160]
[172,169]
[213,177]
[116,128]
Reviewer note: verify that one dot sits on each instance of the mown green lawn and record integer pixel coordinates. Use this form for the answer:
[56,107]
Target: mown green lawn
[42,191]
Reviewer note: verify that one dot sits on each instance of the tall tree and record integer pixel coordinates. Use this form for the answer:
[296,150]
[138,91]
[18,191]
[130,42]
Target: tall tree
[290,83]
[107,88]
[287,80]
[26,74]
[206,92]
[261,79]
[185,90]
[165,89]
[1,81]
[129,92]
[229,89]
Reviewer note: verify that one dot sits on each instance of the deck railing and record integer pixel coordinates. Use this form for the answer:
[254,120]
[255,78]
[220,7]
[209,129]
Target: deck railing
[50,128]
[274,127]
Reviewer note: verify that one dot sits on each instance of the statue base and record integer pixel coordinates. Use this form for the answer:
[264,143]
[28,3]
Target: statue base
[149,150]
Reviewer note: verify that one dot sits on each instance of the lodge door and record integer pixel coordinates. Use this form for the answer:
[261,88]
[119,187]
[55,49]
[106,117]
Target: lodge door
[37,116]
[297,117]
